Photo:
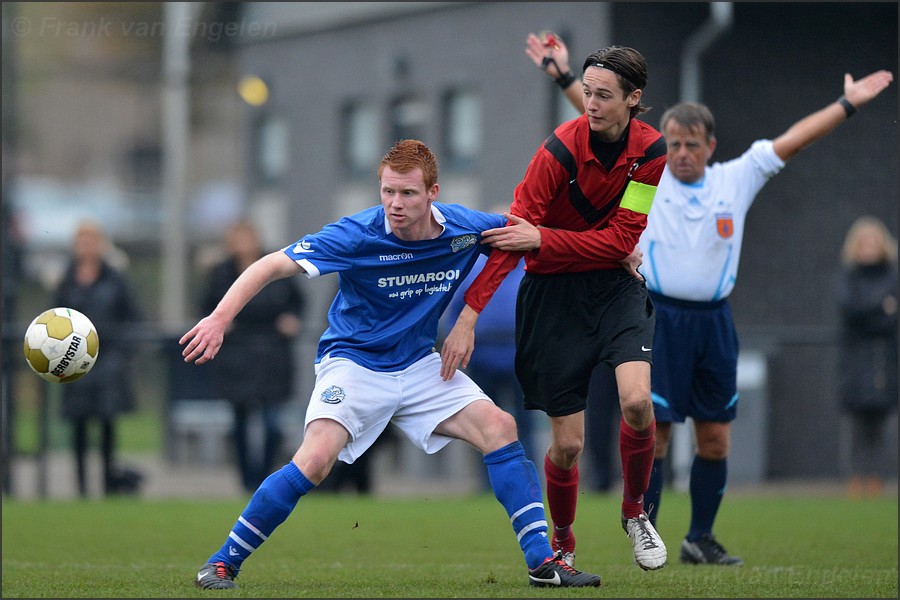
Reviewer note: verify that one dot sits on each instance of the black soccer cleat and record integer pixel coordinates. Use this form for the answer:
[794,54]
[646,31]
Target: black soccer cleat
[707,551]
[554,572]
[216,576]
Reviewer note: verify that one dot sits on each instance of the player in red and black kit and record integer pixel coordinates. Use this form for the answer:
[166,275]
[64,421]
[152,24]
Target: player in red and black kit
[577,217]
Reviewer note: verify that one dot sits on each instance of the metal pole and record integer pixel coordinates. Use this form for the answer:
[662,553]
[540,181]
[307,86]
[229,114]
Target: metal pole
[47,394]
[720,19]
[176,138]
[11,247]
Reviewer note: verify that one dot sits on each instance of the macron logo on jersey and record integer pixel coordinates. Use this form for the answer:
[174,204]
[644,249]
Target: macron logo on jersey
[302,247]
[393,257]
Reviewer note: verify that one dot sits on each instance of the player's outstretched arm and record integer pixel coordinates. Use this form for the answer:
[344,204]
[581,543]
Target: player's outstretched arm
[205,338]
[549,52]
[822,122]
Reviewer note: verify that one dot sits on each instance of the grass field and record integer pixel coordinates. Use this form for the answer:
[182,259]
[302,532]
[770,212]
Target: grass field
[337,546]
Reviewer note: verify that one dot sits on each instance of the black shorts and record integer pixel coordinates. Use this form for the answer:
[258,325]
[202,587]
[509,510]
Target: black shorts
[569,323]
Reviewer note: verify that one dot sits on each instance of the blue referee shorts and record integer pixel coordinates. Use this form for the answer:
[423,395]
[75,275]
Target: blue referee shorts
[695,353]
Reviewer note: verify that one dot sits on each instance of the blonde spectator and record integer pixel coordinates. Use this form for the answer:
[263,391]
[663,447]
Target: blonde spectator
[256,370]
[93,286]
[867,300]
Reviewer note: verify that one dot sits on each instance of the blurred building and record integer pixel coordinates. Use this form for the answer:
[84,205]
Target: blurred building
[345,84]
[293,104]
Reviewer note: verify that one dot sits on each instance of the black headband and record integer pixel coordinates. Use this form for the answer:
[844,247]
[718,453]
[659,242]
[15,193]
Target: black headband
[612,69]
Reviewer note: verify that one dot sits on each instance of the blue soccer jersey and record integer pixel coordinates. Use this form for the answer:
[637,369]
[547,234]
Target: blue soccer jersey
[391,292]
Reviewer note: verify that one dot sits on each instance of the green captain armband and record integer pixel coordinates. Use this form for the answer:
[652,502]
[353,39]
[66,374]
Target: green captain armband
[638,197]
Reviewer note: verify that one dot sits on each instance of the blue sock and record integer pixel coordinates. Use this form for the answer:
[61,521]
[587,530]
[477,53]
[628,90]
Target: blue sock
[653,495]
[707,488]
[269,506]
[517,486]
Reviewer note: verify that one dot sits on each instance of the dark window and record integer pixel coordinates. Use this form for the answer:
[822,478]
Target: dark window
[462,129]
[361,146]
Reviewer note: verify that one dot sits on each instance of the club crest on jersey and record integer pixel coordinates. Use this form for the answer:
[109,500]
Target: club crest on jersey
[724,225]
[333,395]
[462,242]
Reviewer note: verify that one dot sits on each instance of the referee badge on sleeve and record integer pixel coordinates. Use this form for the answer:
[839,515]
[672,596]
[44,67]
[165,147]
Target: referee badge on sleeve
[724,225]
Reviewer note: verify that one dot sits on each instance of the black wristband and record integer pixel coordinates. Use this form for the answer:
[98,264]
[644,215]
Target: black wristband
[848,108]
[565,80]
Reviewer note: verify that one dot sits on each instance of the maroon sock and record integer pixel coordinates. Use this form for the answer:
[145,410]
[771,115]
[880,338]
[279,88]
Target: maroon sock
[636,448]
[562,497]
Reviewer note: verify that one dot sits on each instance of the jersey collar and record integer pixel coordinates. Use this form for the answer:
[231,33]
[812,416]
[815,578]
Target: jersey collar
[435,212]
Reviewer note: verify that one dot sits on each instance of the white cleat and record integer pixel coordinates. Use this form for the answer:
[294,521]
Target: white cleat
[649,549]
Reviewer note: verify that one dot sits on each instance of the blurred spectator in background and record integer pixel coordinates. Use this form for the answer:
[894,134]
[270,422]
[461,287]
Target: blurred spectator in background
[255,370]
[493,362]
[867,300]
[92,285]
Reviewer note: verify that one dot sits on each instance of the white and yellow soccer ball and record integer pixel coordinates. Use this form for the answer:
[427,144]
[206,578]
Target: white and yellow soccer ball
[61,345]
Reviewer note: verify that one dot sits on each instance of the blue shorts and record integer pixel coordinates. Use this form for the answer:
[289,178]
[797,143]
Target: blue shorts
[695,353]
